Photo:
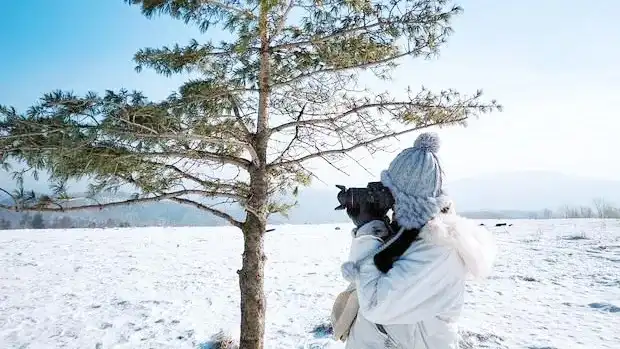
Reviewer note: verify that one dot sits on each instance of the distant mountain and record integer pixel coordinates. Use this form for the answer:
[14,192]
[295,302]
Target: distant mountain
[144,214]
[501,196]
[165,213]
[530,191]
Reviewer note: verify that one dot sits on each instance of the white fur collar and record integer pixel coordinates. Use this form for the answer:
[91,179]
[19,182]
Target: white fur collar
[475,244]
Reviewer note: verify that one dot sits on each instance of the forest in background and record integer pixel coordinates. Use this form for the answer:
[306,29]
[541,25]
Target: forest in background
[168,214]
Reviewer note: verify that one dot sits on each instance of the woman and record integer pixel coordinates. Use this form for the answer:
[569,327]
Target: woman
[409,276]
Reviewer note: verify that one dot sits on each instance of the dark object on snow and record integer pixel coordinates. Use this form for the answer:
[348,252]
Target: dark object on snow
[323,330]
[501,224]
[268,230]
[374,194]
[481,224]
[606,307]
[337,228]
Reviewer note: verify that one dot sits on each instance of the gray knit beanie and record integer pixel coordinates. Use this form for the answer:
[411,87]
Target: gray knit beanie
[416,181]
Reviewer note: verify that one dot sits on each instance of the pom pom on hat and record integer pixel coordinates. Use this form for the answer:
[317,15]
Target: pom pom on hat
[428,141]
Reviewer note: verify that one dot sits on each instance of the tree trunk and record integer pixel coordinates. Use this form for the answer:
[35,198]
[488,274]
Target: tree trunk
[251,283]
[251,275]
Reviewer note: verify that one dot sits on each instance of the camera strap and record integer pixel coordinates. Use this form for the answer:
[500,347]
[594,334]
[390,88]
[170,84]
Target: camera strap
[385,245]
[391,240]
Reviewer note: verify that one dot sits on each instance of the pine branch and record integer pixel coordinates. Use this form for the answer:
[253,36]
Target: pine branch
[57,124]
[319,38]
[199,11]
[180,137]
[415,14]
[190,154]
[30,143]
[341,69]
[239,11]
[168,61]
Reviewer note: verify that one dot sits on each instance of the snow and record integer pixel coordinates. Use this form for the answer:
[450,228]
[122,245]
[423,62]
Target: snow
[556,285]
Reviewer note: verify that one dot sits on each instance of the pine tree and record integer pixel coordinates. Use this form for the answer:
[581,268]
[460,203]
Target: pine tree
[278,92]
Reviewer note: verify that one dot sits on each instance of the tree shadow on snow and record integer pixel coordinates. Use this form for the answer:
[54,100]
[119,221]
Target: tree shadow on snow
[473,340]
[219,340]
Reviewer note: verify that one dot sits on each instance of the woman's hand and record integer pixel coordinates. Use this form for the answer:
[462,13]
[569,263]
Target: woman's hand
[375,227]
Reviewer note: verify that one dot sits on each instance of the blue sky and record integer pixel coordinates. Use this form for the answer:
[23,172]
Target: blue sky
[552,64]
[79,45]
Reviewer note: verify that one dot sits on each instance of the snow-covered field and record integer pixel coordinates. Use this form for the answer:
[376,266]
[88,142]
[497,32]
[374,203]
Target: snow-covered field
[556,285]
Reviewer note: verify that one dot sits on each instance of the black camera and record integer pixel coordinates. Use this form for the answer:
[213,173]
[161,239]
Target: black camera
[375,194]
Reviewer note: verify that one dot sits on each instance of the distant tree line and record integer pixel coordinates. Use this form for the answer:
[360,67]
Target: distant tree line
[599,209]
[37,221]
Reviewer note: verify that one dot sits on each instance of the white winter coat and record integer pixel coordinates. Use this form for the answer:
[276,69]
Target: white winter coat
[420,299]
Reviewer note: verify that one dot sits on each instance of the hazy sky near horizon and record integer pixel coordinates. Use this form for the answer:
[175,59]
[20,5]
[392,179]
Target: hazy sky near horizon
[551,64]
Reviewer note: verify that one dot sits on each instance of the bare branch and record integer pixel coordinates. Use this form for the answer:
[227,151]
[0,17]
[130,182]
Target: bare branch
[203,183]
[238,116]
[11,195]
[211,210]
[358,145]
[282,21]
[246,131]
[298,123]
[283,153]
[198,155]
[359,164]
[42,207]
